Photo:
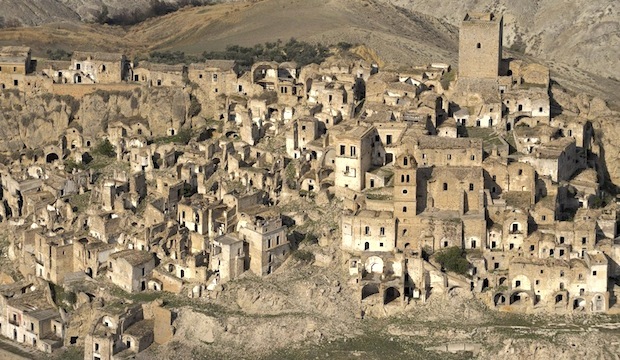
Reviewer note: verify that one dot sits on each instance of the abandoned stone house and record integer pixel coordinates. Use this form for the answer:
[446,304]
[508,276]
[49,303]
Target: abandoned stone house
[267,239]
[559,285]
[98,68]
[29,317]
[130,269]
[153,74]
[228,257]
[15,64]
[123,332]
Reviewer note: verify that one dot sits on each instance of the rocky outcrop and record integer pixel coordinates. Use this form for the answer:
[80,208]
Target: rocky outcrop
[31,121]
[604,122]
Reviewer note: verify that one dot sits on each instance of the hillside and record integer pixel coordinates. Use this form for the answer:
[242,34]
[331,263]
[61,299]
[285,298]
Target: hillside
[39,12]
[580,33]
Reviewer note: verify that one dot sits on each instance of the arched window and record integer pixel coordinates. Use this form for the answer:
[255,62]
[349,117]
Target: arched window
[478,46]
[405,161]
[445,186]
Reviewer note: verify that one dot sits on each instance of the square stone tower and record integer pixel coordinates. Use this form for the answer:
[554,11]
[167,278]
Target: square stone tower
[480,46]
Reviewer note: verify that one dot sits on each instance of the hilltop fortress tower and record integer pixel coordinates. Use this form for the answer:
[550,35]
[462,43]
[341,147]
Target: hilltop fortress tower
[480,46]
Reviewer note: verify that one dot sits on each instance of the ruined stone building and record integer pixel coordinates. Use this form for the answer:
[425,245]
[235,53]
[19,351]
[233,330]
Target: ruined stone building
[186,183]
[429,192]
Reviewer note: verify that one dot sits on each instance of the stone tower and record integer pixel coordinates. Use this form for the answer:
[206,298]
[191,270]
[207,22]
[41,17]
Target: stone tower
[480,46]
[405,175]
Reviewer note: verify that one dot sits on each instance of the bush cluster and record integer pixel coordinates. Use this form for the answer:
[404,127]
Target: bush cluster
[105,148]
[303,255]
[453,259]
[301,52]
[59,54]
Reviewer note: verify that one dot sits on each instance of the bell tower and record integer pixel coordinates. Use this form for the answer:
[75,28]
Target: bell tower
[405,175]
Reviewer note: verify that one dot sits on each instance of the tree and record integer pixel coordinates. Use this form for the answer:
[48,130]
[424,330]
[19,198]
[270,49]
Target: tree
[105,148]
[453,259]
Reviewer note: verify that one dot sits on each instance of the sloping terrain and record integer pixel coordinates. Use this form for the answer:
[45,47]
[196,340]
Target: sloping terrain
[39,12]
[398,36]
[30,13]
[581,33]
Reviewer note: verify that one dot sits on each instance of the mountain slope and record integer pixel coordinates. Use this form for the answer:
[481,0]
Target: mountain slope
[30,13]
[580,33]
[39,12]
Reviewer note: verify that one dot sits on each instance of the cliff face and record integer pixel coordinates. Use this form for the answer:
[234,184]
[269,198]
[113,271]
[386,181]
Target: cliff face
[32,121]
[604,121]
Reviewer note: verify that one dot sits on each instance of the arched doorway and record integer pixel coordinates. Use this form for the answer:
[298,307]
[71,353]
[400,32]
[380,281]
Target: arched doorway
[499,299]
[390,295]
[369,289]
[598,303]
[520,298]
[579,304]
[51,157]
[485,284]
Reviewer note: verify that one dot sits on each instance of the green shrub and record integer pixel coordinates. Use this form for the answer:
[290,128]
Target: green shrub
[301,52]
[71,165]
[453,259]
[447,78]
[303,255]
[63,298]
[59,54]
[181,138]
[105,148]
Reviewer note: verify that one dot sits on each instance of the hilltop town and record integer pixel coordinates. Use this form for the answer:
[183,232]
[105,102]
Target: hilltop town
[133,189]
